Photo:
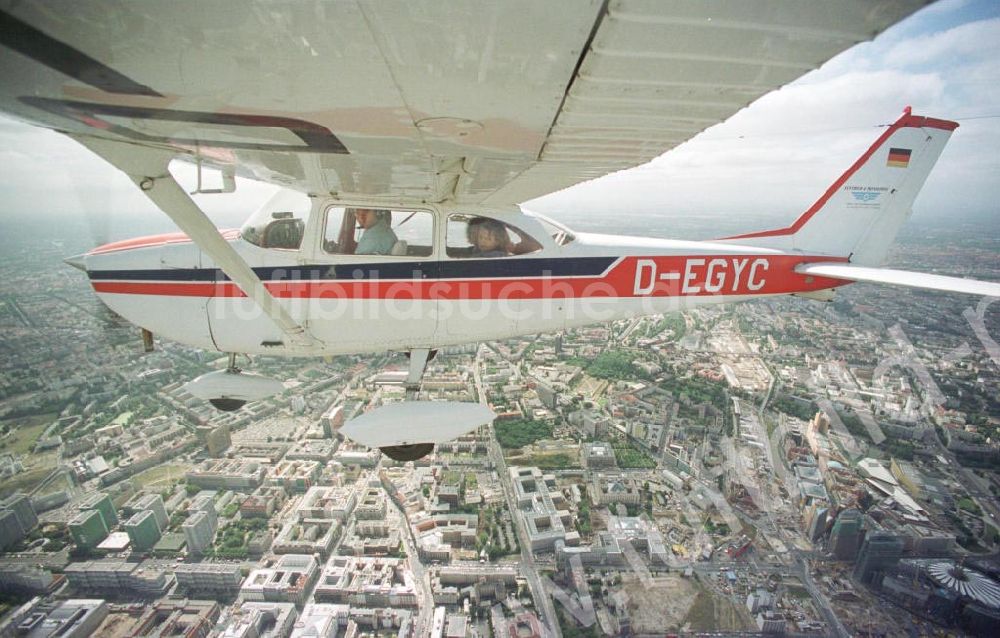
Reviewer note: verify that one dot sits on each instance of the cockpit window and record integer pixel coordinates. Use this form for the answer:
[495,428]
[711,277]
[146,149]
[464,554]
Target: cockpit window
[280,223]
[475,236]
[560,234]
[378,231]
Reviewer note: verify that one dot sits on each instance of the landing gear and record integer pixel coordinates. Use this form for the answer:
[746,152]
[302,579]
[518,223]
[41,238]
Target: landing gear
[231,389]
[408,430]
[227,405]
[408,452]
[419,357]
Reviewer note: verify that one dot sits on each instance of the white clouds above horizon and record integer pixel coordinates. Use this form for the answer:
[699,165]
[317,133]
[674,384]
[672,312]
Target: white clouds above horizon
[780,153]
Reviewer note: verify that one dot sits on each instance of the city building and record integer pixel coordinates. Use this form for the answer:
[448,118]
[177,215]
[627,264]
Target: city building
[102,503]
[168,617]
[367,582]
[264,620]
[210,580]
[372,505]
[118,577]
[11,531]
[768,622]
[215,439]
[908,476]
[846,535]
[115,542]
[229,474]
[260,451]
[143,530]
[73,618]
[816,522]
[541,506]
[332,420]
[22,579]
[759,600]
[288,580]
[319,450]
[606,490]
[295,476]
[20,504]
[170,545]
[151,502]
[199,531]
[204,502]
[450,583]
[321,619]
[88,529]
[598,455]
[306,536]
[329,502]
[590,422]
[879,552]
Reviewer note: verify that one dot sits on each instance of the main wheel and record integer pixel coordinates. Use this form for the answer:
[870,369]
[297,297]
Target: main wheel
[408,452]
[227,405]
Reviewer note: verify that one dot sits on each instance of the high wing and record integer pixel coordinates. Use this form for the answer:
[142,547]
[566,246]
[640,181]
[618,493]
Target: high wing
[423,100]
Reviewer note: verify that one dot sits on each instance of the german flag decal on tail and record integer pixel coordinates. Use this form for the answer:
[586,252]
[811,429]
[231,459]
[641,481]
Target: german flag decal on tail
[899,157]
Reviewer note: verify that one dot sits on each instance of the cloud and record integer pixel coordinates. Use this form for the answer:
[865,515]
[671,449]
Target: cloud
[975,40]
[45,172]
[778,155]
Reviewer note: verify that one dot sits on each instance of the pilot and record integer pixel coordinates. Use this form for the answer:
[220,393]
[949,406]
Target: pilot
[377,238]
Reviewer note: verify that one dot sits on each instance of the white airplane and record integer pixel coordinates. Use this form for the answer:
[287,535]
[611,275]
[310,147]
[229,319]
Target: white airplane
[426,123]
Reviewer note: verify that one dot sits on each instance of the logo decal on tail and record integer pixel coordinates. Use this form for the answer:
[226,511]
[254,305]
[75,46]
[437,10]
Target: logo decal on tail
[898,157]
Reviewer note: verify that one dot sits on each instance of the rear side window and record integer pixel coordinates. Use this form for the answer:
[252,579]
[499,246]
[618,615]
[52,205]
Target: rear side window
[478,237]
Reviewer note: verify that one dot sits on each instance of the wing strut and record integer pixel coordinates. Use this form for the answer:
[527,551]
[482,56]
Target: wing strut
[148,168]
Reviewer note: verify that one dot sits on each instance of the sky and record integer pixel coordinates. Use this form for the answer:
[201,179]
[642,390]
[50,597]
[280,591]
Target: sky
[772,159]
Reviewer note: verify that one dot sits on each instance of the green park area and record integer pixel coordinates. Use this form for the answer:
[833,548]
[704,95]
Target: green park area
[17,438]
[630,456]
[518,433]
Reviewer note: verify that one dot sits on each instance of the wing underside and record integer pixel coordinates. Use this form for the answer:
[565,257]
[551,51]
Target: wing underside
[476,102]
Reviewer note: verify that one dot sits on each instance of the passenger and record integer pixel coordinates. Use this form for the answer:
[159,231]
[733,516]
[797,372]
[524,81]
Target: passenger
[488,238]
[528,244]
[377,238]
[470,231]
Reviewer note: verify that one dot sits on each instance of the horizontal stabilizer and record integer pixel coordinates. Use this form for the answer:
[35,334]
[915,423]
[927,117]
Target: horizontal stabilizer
[901,278]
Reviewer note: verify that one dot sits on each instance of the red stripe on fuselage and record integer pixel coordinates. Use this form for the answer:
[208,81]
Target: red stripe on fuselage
[152,241]
[700,275]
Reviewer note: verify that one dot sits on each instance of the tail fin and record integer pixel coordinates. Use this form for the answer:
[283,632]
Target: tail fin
[861,213]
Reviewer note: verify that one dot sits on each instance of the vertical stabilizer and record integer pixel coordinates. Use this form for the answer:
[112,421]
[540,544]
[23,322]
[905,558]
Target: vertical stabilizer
[861,213]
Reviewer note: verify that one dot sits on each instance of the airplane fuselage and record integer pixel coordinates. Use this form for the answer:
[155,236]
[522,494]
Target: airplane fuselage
[374,303]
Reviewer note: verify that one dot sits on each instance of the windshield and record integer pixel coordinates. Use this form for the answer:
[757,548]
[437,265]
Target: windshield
[560,234]
[280,223]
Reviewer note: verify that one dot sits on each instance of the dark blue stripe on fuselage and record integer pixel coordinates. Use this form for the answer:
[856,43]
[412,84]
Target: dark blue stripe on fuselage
[456,269]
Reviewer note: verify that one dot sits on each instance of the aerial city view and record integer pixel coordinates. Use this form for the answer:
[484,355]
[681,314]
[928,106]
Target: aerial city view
[781,466]
[396,402]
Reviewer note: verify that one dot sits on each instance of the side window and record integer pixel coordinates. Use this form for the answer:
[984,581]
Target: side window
[474,236]
[375,231]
